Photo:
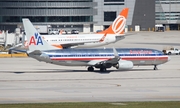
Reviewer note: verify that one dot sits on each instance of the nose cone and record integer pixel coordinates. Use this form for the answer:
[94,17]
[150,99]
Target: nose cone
[169,58]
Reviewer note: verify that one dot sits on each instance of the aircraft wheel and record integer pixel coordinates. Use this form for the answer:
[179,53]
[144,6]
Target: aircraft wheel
[102,69]
[90,68]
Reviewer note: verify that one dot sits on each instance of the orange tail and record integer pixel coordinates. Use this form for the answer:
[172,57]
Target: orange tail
[118,25]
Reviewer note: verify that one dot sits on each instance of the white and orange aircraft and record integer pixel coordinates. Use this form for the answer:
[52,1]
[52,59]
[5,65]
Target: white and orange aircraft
[114,33]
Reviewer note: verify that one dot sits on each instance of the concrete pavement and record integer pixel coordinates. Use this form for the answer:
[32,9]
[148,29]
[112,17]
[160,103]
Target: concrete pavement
[25,80]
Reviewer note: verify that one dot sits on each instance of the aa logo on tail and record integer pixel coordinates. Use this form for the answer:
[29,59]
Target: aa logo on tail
[119,24]
[36,40]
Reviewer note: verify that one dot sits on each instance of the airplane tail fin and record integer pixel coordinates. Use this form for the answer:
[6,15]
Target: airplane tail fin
[35,41]
[118,26]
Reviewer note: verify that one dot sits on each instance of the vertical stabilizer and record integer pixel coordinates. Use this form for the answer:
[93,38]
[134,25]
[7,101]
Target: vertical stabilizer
[35,41]
[118,26]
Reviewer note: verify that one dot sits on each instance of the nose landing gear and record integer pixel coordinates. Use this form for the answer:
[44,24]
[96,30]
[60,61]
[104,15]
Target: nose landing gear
[155,67]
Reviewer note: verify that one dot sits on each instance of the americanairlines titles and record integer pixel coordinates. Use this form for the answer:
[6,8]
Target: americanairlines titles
[140,52]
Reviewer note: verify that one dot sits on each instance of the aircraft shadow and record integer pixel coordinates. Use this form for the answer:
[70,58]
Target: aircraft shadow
[72,71]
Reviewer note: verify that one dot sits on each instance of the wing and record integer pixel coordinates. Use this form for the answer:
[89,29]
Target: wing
[107,61]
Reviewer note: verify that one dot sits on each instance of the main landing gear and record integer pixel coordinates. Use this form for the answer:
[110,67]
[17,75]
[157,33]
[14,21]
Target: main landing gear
[90,68]
[155,67]
[103,69]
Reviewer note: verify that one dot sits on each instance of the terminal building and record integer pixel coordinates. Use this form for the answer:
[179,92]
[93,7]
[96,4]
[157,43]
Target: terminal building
[86,15]
[168,14]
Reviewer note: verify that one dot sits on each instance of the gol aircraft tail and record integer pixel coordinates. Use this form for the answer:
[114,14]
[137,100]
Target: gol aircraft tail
[118,26]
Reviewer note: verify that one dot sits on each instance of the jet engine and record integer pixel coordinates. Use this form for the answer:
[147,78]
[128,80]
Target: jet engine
[124,65]
[44,57]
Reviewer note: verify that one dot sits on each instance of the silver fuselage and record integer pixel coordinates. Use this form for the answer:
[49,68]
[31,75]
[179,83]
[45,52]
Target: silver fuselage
[82,57]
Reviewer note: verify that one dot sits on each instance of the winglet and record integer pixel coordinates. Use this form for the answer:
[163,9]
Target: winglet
[60,32]
[115,52]
[102,39]
[35,40]
[57,46]
[118,26]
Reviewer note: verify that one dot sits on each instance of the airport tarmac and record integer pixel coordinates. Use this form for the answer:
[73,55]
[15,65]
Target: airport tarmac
[25,80]
[155,40]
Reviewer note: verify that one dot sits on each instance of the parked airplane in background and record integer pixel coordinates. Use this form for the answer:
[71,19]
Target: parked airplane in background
[112,34]
[99,58]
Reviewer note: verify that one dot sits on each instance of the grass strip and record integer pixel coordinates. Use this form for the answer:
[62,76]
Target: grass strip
[164,104]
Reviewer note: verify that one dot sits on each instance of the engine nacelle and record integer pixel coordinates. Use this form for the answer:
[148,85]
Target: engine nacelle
[44,57]
[124,65]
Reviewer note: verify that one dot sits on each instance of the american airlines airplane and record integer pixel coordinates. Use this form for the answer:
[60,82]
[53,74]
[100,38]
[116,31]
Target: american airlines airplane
[120,58]
[112,34]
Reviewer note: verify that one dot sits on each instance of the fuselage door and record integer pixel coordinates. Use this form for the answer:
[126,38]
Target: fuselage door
[156,58]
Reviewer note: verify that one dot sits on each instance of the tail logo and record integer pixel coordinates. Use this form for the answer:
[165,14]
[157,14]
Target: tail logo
[36,40]
[119,24]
